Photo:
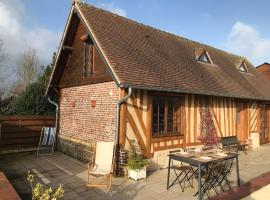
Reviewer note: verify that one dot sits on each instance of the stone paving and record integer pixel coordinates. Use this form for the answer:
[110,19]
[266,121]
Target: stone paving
[60,168]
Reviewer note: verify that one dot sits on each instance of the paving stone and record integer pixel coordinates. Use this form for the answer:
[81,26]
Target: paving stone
[16,165]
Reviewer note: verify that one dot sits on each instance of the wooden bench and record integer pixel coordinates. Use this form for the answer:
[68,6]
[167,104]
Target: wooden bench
[232,142]
[7,192]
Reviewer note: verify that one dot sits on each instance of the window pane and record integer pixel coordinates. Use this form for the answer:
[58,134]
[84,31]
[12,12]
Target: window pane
[166,108]
[161,115]
[204,58]
[170,116]
[242,68]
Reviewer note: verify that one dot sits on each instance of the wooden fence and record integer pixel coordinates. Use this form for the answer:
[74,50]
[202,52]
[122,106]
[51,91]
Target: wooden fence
[22,132]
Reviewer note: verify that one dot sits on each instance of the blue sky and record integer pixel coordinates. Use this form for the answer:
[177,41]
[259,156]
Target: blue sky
[241,27]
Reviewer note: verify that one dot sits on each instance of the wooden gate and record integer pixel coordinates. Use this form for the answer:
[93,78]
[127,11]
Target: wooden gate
[20,132]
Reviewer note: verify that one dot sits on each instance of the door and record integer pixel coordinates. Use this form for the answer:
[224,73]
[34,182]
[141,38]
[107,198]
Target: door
[242,121]
[264,123]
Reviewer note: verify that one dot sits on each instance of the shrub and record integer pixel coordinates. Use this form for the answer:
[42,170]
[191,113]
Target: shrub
[41,192]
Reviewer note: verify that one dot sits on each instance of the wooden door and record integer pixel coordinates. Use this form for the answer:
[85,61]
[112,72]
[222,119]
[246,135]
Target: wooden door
[264,123]
[242,121]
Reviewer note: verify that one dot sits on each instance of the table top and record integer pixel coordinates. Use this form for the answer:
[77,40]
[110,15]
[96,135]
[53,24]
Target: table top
[204,157]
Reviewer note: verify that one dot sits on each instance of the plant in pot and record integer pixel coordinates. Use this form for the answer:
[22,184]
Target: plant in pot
[136,166]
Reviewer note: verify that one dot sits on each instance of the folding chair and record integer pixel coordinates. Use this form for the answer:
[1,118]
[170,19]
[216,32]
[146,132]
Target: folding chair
[183,173]
[47,139]
[211,176]
[102,164]
[224,176]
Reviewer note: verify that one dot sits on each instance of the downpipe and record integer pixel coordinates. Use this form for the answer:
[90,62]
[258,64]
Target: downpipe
[118,105]
[56,112]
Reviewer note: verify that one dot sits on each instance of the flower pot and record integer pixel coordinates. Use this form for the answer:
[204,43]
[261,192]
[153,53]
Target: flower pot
[137,174]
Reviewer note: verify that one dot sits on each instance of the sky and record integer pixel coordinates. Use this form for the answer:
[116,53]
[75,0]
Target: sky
[240,27]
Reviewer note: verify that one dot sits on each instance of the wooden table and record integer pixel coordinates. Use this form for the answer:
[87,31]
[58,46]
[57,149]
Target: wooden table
[194,160]
[7,192]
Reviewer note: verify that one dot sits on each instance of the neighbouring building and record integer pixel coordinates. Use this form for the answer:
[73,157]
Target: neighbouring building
[264,69]
[176,83]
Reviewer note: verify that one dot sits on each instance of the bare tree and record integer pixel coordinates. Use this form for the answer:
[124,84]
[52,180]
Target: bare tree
[27,66]
[3,58]
[3,55]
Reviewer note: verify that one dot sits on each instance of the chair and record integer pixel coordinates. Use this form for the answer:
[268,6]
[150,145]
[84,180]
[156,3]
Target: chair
[232,142]
[47,139]
[183,173]
[211,175]
[102,164]
[224,176]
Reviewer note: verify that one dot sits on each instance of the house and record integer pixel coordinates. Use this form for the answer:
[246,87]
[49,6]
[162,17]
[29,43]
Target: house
[264,69]
[171,84]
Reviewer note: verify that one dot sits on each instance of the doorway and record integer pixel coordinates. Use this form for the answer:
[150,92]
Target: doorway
[242,121]
[264,123]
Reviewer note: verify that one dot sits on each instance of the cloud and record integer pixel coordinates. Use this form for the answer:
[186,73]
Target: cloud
[17,36]
[114,9]
[246,41]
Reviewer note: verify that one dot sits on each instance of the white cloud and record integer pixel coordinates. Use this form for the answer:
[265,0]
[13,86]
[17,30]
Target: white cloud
[112,8]
[18,37]
[245,40]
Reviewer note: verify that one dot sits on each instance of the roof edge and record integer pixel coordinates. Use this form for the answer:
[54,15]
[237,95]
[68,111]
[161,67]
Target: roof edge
[263,64]
[60,47]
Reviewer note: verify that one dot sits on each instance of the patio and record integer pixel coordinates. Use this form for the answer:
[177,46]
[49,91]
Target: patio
[60,168]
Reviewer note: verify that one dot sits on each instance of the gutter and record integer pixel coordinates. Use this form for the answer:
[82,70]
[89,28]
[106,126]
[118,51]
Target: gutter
[56,113]
[119,103]
[186,91]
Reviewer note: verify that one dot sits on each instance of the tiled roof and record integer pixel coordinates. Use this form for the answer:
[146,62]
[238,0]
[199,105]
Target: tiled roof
[145,57]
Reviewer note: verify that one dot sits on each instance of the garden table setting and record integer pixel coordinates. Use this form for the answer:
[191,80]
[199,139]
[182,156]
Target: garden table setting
[209,167]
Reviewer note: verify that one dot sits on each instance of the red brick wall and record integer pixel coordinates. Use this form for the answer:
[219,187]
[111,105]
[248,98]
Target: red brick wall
[78,119]
[80,123]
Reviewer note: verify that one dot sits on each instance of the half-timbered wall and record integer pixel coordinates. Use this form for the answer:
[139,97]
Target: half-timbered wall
[138,116]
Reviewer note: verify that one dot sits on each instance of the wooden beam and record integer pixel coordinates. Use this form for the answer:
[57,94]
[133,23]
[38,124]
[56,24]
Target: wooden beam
[56,90]
[138,114]
[122,126]
[67,48]
[85,38]
[136,132]
[168,138]
[148,131]
[258,118]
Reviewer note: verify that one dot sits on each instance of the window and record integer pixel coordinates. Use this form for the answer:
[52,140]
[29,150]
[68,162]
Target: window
[88,67]
[166,116]
[204,57]
[243,67]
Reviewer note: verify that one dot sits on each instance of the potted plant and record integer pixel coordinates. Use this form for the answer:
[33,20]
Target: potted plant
[136,166]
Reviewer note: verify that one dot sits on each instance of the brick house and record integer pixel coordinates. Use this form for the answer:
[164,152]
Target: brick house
[264,69]
[170,84]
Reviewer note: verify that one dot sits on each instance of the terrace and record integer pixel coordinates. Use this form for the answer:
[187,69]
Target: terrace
[62,169]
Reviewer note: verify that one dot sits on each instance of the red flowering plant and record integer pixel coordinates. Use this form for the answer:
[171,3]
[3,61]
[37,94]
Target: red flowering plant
[208,135]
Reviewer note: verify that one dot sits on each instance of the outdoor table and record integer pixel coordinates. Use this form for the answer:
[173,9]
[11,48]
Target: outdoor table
[194,160]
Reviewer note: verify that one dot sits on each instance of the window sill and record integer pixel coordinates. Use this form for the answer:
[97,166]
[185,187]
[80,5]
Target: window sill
[166,137]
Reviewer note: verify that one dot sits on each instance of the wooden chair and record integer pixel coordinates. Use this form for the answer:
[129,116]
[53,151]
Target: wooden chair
[102,164]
